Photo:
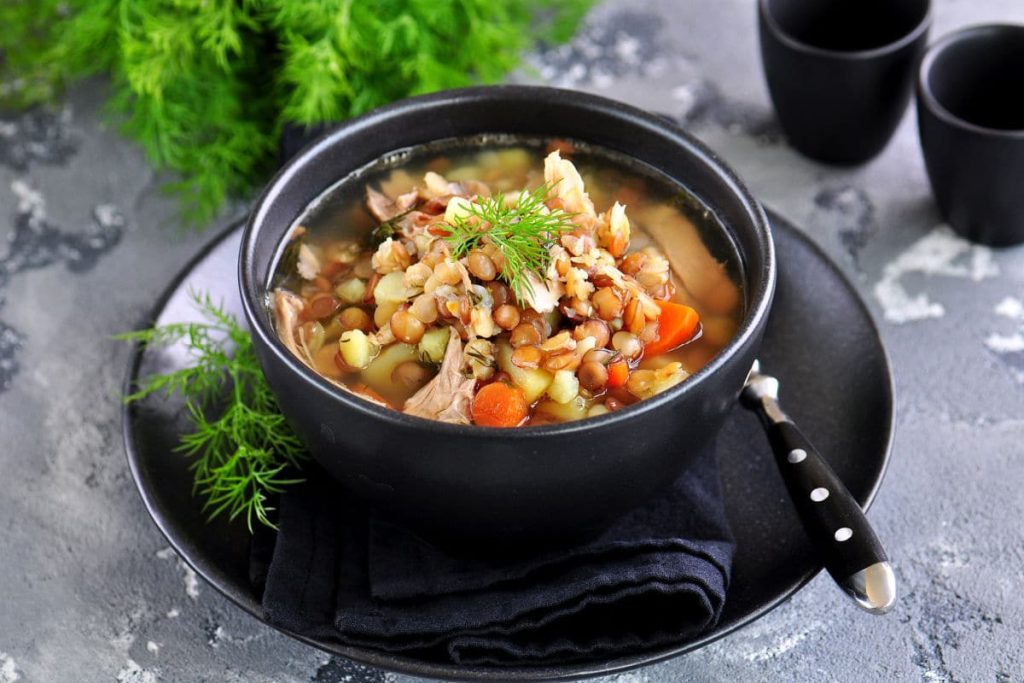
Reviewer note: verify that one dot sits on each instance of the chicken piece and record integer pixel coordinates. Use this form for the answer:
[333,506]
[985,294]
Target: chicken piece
[287,307]
[414,223]
[437,186]
[655,273]
[577,285]
[613,231]
[648,383]
[449,395]
[308,263]
[578,242]
[390,257]
[567,185]
[541,297]
[384,209]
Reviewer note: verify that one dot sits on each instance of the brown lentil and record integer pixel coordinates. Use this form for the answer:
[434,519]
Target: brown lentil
[410,374]
[633,319]
[593,376]
[527,357]
[525,334]
[500,293]
[407,327]
[537,320]
[322,306]
[506,316]
[627,344]
[481,265]
[602,356]
[598,329]
[566,360]
[447,273]
[424,307]
[632,263]
[607,303]
[353,318]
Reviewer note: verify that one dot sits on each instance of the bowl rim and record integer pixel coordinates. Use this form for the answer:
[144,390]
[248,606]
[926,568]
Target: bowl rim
[760,289]
[931,102]
[790,41]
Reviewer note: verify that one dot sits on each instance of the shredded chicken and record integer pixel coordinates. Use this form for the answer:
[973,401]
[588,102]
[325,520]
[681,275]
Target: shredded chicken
[438,186]
[448,396]
[390,257]
[541,297]
[308,264]
[562,175]
[287,307]
[384,209]
[613,231]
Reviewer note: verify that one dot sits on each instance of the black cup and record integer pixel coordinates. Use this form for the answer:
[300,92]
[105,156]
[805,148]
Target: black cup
[970,108]
[840,72]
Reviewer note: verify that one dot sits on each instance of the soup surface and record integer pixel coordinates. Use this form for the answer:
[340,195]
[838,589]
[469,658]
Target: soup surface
[506,283]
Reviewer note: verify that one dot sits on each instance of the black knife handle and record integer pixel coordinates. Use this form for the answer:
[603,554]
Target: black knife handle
[830,515]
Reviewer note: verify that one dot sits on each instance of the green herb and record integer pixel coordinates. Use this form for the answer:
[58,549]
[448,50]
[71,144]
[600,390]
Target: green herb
[242,444]
[426,362]
[481,358]
[387,229]
[523,233]
[381,232]
[205,86]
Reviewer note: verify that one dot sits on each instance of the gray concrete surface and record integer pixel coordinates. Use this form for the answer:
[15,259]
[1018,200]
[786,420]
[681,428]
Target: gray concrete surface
[89,591]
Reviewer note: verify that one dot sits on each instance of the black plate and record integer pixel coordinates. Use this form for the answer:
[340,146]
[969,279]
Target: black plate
[820,342]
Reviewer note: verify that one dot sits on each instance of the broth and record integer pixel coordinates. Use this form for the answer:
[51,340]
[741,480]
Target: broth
[373,301]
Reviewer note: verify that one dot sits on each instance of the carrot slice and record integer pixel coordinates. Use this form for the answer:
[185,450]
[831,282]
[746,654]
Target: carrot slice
[499,405]
[618,373]
[676,325]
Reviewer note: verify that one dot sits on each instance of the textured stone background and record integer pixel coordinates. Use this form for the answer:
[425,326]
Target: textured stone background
[89,591]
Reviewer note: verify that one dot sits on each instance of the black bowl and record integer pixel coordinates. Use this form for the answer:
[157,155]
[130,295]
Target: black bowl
[970,108]
[840,72]
[467,483]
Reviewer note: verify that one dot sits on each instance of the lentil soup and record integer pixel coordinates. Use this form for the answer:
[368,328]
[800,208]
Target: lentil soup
[506,282]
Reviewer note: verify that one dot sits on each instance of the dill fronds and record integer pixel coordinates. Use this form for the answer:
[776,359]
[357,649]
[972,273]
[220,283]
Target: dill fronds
[523,233]
[242,447]
[205,86]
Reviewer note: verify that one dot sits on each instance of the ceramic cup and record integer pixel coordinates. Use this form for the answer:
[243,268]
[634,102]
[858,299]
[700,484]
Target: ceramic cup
[970,95]
[840,72]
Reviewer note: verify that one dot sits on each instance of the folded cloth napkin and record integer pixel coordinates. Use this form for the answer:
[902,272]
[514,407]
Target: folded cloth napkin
[657,576]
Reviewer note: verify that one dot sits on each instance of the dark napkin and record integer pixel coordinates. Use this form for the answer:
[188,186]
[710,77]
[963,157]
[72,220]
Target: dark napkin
[657,576]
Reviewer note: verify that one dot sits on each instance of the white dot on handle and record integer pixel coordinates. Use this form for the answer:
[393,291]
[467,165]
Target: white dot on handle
[796,455]
[844,534]
[819,494]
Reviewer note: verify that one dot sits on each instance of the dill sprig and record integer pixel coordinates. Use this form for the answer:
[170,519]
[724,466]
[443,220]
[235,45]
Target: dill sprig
[524,233]
[205,86]
[242,446]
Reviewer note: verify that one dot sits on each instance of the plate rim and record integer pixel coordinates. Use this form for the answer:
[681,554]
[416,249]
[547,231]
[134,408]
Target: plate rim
[416,667]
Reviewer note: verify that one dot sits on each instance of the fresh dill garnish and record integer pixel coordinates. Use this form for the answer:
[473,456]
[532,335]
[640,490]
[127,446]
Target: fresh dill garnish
[523,233]
[206,86]
[243,449]
[388,228]
[481,358]
[381,232]
[425,361]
